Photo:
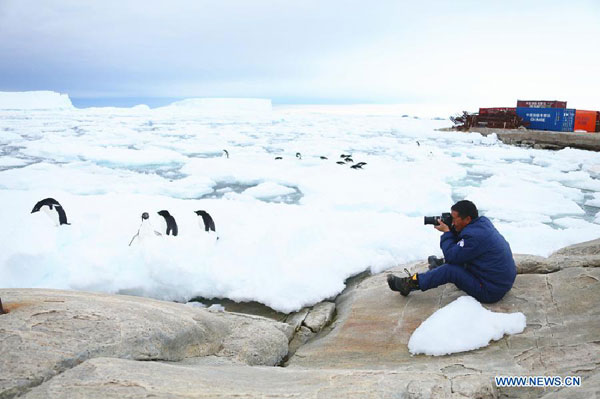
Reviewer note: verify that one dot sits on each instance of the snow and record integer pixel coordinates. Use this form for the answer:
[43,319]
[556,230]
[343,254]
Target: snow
[461,326]
[291,231]
[595,201]
[29,100]
[255,109]
[268,190]
[12,161]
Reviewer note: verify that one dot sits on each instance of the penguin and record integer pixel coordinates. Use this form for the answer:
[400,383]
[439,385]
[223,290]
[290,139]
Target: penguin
[277,158]
[226,153]
[345,156]
[358,165]
[341,163]
[322,157]
[145,229]
[171,224]
[298,155]
[53,209]
[207,221]
[419,144]
[348,159]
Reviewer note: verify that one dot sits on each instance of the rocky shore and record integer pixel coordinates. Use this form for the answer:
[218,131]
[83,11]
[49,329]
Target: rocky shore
[65,344]
[541,139]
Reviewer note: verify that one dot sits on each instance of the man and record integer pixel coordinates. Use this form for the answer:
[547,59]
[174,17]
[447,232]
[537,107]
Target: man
[478,259]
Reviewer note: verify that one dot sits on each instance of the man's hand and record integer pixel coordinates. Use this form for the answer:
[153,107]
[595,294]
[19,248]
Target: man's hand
[443,227]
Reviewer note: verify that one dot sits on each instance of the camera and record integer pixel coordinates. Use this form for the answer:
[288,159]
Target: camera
[446,218]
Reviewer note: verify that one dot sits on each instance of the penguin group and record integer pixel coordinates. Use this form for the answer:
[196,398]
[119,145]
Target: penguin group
[167,225]
[346,159]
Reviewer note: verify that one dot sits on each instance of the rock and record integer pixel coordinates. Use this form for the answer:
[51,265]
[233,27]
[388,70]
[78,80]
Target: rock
[118,378]
[297,318]
[585,248]
[49,331]
[558,261]
[303,335]
[543,139]
[78,345]
[590,388]
[534,264]
[319,316]
[253,341]
[374,324]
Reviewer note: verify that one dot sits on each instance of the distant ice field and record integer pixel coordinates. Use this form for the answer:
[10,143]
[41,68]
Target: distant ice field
[290,230]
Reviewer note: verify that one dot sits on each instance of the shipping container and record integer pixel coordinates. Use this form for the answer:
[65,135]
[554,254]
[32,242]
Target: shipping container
[497,110]
[585,120]
[541,104]
[555,119]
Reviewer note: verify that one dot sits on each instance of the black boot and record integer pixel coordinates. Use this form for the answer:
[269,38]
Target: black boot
[434,262]
[404,285]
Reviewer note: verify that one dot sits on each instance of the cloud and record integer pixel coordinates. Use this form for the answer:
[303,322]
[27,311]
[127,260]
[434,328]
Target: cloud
[378,51]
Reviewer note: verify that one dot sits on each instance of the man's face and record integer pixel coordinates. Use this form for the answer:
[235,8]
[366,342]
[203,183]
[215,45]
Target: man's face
[458,222]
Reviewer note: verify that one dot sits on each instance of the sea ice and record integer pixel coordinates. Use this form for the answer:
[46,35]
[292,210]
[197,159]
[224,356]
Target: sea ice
[12,161]
[268,190]
[461,326]
[108,165]
[595,201]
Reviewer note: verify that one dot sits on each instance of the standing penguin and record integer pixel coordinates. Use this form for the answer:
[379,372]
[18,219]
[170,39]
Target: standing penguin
[171,224]
[53,209]
[145,230]
[207,221]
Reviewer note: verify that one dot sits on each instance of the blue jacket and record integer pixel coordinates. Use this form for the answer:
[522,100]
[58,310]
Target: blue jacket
[484,251]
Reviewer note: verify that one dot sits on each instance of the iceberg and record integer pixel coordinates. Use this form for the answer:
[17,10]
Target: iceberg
[34,100]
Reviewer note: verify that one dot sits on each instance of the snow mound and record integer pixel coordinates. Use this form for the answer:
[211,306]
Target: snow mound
[34,100]
[461,326]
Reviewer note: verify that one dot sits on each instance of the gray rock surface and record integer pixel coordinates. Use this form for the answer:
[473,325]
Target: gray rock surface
[79,345]
[49,331]
[544,139]
[297,318]
[116,378]
[585,248]
[374,324]
[319,316]
[586,254]
[303,335]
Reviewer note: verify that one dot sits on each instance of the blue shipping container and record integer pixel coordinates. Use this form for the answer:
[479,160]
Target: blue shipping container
[555,119]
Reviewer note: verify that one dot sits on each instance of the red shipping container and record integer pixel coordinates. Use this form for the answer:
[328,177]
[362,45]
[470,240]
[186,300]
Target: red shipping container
[541,104]
[585,120]
[491,111]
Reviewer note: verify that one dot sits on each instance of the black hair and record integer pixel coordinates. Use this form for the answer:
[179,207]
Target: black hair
[465,208]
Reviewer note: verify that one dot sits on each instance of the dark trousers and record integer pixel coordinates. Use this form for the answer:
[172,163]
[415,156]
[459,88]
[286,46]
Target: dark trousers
[462,278]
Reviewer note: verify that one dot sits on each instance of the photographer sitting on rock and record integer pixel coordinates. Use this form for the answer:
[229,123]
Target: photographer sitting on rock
[478,260]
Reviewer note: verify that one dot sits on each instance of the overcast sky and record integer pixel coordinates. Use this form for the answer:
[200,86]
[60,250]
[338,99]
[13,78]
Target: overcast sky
[483,52]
